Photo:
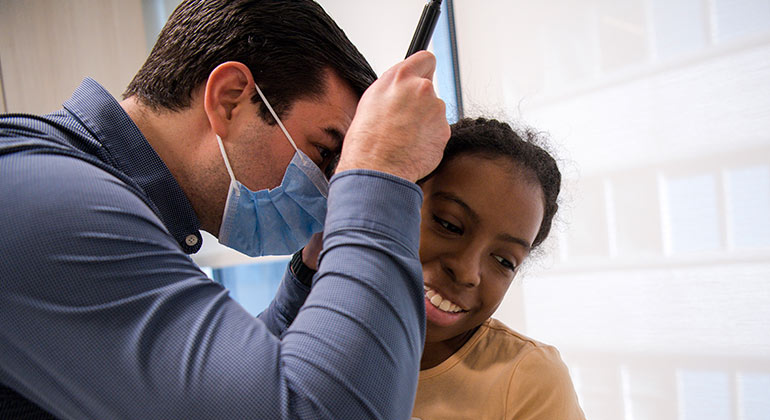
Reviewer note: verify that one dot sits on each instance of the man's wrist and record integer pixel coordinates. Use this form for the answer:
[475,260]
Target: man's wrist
[301,271]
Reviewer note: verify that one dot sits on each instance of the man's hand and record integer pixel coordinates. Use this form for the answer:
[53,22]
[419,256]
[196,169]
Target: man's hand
[400,125]
[312,250]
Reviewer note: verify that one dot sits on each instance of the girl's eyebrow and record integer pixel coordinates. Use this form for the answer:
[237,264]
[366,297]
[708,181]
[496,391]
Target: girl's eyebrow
[508,238]
[443,195]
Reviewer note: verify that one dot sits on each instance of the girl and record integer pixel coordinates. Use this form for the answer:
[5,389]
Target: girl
[489,203]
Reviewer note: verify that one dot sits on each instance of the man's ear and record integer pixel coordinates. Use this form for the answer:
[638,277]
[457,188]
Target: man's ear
[227,93]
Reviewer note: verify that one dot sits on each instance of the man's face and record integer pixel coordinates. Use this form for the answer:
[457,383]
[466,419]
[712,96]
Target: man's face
[317,125]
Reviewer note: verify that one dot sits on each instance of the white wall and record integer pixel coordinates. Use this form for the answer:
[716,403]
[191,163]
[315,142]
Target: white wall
[381,30]
[47,48]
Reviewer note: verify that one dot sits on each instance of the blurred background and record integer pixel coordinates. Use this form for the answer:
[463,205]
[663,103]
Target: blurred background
[655,283]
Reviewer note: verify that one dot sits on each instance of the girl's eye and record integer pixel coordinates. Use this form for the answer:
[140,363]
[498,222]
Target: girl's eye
[448,226]
[505,263]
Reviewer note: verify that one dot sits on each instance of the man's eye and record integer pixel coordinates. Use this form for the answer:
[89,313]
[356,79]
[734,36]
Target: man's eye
[448,226]
[324,152]
[332,166]
[505,263]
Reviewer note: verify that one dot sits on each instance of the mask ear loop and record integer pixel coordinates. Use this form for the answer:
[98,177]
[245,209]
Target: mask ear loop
[227,160]
[278,120]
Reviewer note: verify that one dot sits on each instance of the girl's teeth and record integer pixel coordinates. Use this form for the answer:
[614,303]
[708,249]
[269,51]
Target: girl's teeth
[445,305]
[438,301]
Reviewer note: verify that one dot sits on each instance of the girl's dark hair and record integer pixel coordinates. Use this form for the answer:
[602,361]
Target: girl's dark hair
[287,44]
[492,139]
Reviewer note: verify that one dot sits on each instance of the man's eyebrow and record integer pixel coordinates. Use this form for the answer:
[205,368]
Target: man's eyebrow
[473,215]
[336,136]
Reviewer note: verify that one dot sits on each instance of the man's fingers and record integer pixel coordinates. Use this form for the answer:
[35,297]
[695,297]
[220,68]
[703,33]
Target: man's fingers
[421,64]
[400,123]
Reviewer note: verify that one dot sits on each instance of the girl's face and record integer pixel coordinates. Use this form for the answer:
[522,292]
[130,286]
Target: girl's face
[479,218]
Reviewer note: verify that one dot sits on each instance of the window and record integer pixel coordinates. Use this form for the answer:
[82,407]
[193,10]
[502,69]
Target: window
[680,27]
[705,395]
[253,285]
[693,216]
[736,19]
[748,206]
[658,295]
[754,396]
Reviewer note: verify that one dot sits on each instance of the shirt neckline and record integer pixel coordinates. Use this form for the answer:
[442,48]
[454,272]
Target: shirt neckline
[457,356]
[109,124]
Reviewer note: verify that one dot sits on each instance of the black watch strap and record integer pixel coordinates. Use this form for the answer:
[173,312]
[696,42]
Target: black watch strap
[303,273]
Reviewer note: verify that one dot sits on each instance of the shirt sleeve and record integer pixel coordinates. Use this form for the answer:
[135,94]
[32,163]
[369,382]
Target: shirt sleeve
[541,388]
[284,307]
[105,317]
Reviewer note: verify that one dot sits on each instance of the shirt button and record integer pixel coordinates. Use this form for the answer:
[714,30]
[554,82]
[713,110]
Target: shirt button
[191,240]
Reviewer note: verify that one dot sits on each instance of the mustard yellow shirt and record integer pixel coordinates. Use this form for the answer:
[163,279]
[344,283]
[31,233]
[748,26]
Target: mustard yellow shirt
[498,374]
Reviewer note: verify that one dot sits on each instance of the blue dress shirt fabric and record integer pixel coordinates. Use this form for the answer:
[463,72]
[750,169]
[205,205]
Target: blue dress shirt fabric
[104,315]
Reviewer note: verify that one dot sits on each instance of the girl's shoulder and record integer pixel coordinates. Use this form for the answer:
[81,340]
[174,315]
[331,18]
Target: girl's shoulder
[494,334]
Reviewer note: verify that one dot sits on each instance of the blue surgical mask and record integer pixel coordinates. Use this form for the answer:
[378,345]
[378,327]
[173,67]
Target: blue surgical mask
[281,220]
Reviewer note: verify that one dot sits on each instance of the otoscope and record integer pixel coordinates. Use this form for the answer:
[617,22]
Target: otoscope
[425,27]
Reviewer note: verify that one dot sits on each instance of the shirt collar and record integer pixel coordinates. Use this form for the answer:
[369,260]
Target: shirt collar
[131,154]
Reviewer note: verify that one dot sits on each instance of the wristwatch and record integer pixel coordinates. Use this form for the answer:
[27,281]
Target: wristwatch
[303,273]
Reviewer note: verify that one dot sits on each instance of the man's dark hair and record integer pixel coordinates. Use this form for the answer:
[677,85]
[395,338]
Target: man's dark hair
[493,139]
[287,44]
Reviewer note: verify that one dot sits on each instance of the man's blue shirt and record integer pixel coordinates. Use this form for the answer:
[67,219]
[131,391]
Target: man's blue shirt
[105,316]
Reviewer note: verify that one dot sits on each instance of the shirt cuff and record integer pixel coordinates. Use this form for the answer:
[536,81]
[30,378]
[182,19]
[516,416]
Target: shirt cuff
[289,298]
[364,198]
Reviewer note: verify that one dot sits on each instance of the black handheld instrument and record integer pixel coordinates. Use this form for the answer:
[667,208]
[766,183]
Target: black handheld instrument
[425,27]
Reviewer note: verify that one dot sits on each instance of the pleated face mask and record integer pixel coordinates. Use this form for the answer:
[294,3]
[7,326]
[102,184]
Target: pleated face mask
[281,220]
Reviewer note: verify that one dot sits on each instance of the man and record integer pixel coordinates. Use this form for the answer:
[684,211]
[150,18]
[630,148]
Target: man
[103,313]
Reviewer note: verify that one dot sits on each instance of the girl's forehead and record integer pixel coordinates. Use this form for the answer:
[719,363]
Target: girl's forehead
[475,167]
